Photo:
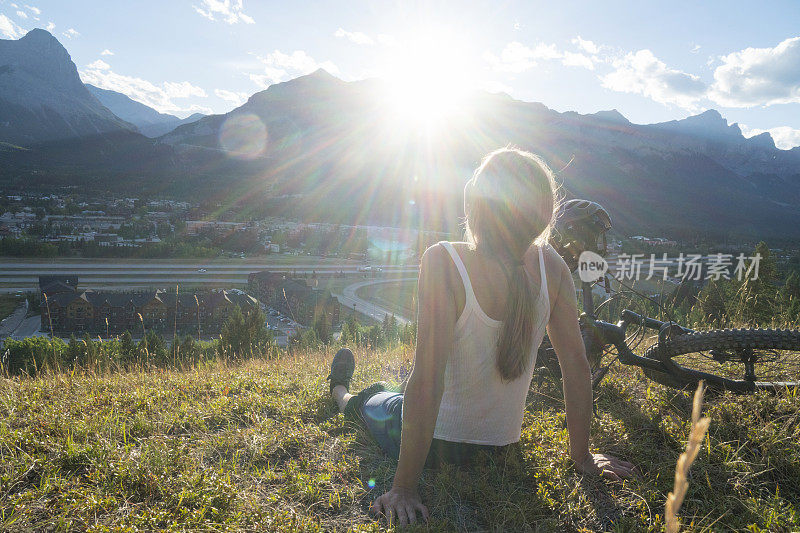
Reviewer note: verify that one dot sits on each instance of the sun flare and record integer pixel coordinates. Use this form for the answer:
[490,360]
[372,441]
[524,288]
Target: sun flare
[428,79]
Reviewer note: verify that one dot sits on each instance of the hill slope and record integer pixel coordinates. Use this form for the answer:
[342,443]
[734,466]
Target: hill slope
[260,446]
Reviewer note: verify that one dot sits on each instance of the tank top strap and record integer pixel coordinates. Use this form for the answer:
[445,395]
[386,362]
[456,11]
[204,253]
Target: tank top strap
[462,270]
[543,274]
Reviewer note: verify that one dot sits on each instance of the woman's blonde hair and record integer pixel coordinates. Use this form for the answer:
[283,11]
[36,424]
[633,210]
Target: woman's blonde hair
[509,203]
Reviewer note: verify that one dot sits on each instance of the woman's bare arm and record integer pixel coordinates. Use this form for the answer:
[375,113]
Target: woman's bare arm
[436,327]
[565,335]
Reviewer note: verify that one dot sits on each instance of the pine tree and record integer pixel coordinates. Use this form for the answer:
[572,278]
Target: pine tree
[760,293]
[127,348]
[790,297]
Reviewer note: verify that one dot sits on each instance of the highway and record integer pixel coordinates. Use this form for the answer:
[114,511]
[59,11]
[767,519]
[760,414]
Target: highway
[24,275]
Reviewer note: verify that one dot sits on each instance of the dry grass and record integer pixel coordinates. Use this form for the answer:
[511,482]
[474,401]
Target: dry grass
[260,446]
[696,434]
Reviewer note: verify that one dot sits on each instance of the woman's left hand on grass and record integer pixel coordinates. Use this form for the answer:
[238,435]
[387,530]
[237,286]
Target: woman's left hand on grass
[400,506]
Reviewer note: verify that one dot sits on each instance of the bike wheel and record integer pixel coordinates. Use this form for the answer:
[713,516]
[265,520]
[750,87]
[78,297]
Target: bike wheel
[740,360]
[547,362]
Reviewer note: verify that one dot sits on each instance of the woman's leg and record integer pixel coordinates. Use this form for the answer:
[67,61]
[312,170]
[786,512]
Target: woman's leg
[380,411]
[382,414]
[342,396]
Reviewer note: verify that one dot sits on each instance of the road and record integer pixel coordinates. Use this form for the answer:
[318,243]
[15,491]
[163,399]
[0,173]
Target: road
[10,324]
[29,328]
[348,298]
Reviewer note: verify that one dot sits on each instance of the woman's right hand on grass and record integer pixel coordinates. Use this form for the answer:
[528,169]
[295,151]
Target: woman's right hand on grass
[606,466]
[400,505]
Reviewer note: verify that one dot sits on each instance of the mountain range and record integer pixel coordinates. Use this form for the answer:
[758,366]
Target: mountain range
[147,120]
[324,149]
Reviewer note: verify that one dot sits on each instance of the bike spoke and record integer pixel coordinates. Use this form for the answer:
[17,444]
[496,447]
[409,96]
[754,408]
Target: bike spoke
[768,365]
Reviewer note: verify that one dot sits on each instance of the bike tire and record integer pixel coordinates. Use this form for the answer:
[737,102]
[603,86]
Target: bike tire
[716,357]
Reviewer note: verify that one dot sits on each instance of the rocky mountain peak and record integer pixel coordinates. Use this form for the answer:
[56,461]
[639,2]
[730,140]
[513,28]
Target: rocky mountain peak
[764,140]
[612,115]
[41,94]
[38,35]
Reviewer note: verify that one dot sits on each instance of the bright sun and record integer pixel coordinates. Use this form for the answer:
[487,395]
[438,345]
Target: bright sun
[428,79]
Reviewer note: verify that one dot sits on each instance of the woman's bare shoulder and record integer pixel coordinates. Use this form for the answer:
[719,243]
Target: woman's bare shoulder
[434,260]
[556,268]
[554,263]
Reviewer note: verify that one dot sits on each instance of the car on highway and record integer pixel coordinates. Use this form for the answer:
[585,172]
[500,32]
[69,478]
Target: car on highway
[364,268]
[202,270]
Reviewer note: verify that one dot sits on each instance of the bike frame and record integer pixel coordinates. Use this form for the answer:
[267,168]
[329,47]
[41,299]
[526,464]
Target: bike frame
[597,334]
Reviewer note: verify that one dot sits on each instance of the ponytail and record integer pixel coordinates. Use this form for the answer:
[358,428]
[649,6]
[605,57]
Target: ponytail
[516,337]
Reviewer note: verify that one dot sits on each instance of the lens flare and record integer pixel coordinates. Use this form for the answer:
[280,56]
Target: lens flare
[371,483]
[243,136]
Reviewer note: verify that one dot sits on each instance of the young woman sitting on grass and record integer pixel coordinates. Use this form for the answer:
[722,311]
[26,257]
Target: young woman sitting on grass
[483,309]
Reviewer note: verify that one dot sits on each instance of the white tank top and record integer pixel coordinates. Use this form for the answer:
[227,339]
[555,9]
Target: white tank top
[477,405]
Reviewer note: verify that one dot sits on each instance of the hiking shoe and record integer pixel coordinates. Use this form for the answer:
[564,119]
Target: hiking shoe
[353,408]
[342,368]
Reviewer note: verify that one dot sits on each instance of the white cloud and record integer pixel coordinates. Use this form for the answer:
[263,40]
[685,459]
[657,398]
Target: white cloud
[33,9]
[516,57]
[182,89]
[572,59]
[643,73]
[496,87]
[279,66]
[695,49]
[785,137]
[356,37]
[231,11]
[586,46]
[106,52]
[9,29]
[158,96]
[70,33]
[386,40]
[236,98]
[50,27]
[99,65]
[759,76]
[22,14]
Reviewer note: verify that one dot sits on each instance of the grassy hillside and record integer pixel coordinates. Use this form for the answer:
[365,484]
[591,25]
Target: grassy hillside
[259,446]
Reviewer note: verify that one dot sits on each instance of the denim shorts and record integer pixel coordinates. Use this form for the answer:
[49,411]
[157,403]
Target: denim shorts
[382,414]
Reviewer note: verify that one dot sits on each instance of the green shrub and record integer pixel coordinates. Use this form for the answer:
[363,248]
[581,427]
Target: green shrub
[33,354]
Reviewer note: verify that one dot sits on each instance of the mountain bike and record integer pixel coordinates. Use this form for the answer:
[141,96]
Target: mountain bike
[739,360]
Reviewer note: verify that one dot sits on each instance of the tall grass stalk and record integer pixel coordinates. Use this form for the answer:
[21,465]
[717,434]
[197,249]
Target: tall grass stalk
[144,338]
[50,319]
[175,329]
[696,434]
[198,317]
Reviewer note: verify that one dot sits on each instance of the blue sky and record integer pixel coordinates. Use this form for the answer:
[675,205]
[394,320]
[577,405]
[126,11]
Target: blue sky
[653,61]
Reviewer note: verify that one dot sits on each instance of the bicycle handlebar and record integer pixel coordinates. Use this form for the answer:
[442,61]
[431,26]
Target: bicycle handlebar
[598,333]
[629,317]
